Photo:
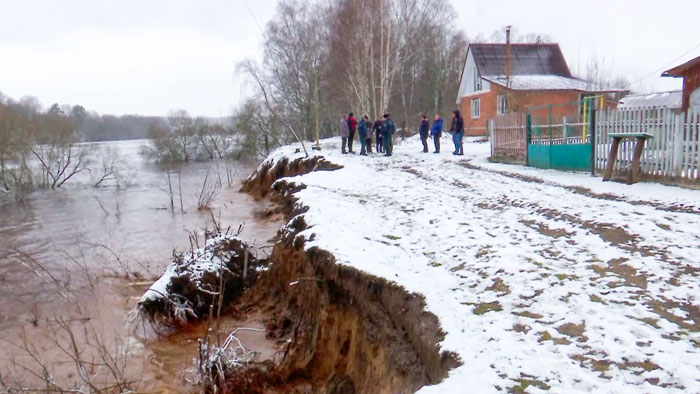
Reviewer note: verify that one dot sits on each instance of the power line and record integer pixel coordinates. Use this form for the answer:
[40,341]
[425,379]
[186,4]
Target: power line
[667,65]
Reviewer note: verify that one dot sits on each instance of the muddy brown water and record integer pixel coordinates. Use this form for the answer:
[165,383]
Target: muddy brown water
[84,255]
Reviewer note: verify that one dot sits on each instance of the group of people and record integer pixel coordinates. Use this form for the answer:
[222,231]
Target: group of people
[384,130]
[456,129]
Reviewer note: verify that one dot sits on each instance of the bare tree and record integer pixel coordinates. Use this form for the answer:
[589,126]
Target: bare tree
[270,100]
[327,57]
[599,75]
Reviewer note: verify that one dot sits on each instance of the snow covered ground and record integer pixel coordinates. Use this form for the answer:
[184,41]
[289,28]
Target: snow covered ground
[561,283]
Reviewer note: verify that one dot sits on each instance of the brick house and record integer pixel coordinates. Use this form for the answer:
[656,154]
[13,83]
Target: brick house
[690,72]
[537,75]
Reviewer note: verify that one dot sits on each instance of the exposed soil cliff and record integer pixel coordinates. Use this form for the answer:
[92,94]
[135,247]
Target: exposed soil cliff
[345,331]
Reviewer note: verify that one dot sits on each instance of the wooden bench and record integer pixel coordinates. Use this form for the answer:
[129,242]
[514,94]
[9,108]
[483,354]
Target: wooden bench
[636,158]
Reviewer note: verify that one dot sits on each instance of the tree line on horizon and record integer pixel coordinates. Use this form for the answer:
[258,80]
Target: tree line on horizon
[40,148]
[88,126]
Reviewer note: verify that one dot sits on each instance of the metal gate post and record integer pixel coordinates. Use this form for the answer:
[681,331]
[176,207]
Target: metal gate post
[550,137]
[592,131]
[528,137]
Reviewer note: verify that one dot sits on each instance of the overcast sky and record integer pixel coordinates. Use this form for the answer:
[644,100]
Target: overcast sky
[148,57]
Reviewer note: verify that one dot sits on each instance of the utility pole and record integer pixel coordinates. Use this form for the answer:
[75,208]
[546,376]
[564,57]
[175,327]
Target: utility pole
[507,70]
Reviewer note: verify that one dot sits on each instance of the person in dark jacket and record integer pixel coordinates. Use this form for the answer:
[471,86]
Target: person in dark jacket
[423,131]
[436,132]
[388,130]
[352,126]
[378,135]
[368,141]
[344,131]
[457,130]
[362,128]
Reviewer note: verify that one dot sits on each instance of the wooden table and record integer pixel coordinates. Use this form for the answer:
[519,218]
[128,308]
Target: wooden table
[636,158]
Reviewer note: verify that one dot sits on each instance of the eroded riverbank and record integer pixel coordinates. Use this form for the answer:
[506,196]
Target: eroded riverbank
[341,330]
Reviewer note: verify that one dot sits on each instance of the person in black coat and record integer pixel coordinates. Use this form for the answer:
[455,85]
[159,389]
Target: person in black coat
[457,130]
[378,135]
[363,129]
[388,130]
[423,131]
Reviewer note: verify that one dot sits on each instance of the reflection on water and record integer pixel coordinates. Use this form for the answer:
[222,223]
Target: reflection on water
[54,237]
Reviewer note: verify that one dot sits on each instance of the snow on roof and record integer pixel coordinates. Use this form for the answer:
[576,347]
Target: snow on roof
[671,99]
[540,82]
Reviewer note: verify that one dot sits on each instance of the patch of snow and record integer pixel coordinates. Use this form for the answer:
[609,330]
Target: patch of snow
[533,282]
[193,264]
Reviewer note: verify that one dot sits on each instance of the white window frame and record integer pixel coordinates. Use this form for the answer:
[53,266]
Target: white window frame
[477,81]
[501,104]
[476,109]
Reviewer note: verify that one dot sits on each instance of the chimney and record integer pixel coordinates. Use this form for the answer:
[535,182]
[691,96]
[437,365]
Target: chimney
[507,70]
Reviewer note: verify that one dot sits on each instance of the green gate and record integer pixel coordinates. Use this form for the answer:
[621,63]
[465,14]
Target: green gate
[560,136]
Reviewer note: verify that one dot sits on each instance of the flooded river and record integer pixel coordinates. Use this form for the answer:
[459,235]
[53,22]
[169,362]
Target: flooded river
[83,253]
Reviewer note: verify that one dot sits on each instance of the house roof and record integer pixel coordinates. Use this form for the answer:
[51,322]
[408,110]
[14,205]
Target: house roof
[672,99]
[678,71]
[526,59]
[540,82]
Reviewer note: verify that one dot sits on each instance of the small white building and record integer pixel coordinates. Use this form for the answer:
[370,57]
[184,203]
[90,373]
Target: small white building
[672,99]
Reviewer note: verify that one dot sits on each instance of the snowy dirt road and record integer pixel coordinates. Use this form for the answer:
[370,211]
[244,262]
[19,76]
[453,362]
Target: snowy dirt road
[543,281]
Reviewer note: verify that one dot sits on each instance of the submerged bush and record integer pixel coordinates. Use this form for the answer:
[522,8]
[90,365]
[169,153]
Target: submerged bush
[196,281]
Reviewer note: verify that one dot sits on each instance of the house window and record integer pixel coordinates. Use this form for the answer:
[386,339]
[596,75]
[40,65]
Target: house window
[476,110]
[477,81]
[501,104]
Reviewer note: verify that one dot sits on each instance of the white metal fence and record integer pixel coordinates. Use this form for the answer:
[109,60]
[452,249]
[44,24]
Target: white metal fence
[672,155]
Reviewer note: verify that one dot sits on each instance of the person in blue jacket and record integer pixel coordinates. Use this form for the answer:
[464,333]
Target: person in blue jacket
[436,132]
[423,131]
[362,129]
[457,130]
[388,130]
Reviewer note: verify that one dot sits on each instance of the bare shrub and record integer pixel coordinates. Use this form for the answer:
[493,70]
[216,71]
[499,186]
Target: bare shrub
[215,362]
[185,139]
[58,163]
[170,171]
[107,169]
[219,271]
[208,191]
[96,365]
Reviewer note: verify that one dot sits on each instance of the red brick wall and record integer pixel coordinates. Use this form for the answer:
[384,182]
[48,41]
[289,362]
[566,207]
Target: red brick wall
[488,111]
[517,101]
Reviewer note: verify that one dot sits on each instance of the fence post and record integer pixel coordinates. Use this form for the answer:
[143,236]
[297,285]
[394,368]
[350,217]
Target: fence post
[592,130]
[491,127]
[528,137]
[677,143]
[549,164]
